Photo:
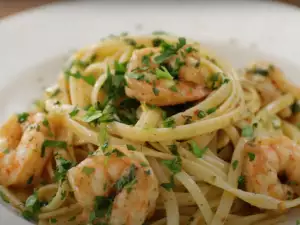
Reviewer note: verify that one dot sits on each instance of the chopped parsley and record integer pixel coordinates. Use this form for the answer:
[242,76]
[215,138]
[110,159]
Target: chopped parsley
[102,208]
[46,124]
[168,50]
[251,156]
[146,59]
[169,122]
[6,151]
[32,207]
[88,170]
[211,110]
[169,186]
[127,181]
[52,144]
[163,73]
[241,181]
[63,166]
[190,49]
[235,164]
[74,112]
[63,195]
[131,147]
[137,76]
[247,131]
[174,165]
[114,84]
[22,117]
[99,116]
[90,79]
[226,80]
[196,150]
[120,68]
[201,114]
[215,80]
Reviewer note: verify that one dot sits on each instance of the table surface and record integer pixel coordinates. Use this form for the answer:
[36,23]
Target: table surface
[8,7]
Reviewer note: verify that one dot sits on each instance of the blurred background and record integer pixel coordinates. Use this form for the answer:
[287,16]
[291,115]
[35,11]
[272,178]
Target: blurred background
[8,7]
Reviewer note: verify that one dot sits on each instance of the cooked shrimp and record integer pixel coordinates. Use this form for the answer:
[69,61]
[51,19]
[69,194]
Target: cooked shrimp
[269,159]
[128,185]
[21,161]
[146,87]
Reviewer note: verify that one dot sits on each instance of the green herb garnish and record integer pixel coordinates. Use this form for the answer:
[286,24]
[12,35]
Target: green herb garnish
[174,165]
[62,168]
[137,76]
[201,114]
[74,112]
[211,110]
[130,147]
[126,180]
[235,164]
[169,122]
[163,73]
[196,150]
[241,181]
[251,156]
[52,144]
[22,117]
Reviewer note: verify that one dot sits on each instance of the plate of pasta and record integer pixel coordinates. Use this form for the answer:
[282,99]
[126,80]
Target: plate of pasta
[150,129]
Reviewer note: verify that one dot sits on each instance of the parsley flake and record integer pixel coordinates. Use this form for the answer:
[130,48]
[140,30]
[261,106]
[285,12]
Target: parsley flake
[196,150]
[131,147]
[201,114]
[22,117]
[174,165]
[52,144]
[251,156]
[163,73]
[169,122]
[74,112]
[211,110]
[235,164]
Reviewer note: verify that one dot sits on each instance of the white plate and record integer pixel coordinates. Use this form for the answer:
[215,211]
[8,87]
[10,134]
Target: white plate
[34,44]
